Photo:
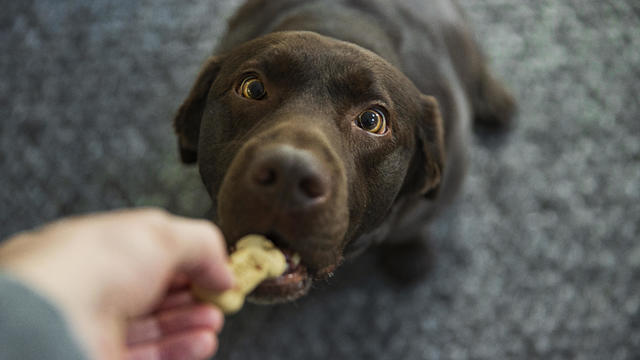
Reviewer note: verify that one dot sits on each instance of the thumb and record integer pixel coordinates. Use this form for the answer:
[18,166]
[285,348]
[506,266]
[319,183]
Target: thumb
[197,248]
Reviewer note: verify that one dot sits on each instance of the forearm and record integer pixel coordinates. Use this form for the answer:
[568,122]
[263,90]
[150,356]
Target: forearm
[31,327]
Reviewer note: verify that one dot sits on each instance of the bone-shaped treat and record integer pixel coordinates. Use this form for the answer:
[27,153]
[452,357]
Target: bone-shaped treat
[254,260]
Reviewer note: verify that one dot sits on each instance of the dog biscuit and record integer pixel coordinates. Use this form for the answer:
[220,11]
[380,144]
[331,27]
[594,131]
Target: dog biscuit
[254,260]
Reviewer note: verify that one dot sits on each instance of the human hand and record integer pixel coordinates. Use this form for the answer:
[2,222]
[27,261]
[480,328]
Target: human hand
[121,280]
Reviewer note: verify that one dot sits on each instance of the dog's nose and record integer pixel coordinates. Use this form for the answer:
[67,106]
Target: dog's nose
[288,176]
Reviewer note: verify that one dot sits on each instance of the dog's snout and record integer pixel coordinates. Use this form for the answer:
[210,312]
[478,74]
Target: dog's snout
[292,177]
[290,185]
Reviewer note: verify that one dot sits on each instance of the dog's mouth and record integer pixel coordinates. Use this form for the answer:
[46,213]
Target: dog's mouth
[292,284]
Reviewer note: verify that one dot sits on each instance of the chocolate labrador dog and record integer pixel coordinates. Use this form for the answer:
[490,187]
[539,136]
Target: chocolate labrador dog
[331,125]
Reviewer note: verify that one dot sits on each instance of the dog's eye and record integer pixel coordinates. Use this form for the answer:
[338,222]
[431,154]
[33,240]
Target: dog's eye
[252,88]
[373,121]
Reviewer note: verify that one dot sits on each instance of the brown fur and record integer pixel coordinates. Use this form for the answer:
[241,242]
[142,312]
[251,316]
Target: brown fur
[322,63]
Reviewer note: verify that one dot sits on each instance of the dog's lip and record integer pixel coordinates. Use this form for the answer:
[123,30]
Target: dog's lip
[294,283]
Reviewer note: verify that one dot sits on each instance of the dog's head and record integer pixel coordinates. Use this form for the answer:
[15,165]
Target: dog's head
[309,141]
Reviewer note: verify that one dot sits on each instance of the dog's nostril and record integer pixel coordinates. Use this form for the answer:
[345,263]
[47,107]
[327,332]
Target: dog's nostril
[287,177]
[312,186]
[265,176]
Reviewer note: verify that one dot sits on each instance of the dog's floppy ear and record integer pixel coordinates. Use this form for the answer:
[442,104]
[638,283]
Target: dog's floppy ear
[428,162]
[187,121]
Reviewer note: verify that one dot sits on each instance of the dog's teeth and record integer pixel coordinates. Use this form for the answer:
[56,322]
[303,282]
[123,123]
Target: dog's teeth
[295,259]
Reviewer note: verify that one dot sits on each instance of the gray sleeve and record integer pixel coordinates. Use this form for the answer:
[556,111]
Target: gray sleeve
[31,327]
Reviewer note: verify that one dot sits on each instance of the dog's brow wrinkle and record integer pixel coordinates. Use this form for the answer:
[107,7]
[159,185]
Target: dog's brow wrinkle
[356,88]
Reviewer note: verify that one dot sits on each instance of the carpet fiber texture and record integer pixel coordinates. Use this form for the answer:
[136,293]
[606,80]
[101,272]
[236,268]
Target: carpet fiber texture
[538,259]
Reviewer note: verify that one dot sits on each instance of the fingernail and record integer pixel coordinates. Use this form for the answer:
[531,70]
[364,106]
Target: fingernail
[228,281]
[204,346]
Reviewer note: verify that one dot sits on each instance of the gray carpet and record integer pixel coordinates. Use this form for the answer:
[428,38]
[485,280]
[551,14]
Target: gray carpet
[539,259]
